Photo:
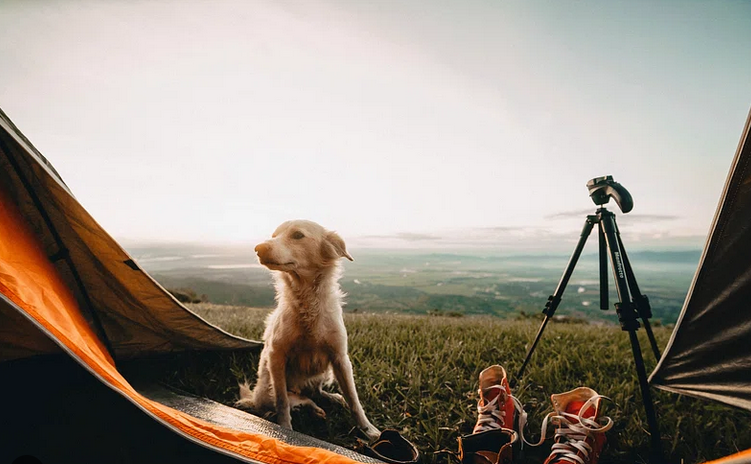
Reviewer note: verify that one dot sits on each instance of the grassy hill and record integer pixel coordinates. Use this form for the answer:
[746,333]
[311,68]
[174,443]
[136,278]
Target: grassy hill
[418,374]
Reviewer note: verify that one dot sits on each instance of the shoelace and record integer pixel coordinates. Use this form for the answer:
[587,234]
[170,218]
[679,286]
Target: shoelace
[572,432]
[489,415]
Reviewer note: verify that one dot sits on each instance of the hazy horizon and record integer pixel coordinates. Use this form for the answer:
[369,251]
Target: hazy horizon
[409,125]
[557,245]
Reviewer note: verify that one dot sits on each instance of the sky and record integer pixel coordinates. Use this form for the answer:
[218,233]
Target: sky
[406,123]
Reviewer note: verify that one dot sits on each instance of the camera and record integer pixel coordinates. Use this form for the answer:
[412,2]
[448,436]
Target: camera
[601,189]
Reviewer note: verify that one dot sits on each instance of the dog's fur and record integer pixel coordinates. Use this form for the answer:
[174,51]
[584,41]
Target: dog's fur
[305,341]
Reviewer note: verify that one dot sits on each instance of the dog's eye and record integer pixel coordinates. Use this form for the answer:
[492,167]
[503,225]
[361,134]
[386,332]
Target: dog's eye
[298,235]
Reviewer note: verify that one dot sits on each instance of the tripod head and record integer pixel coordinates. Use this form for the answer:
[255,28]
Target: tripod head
[601,189]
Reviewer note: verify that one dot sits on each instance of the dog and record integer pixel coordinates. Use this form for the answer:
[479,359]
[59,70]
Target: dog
[305,341]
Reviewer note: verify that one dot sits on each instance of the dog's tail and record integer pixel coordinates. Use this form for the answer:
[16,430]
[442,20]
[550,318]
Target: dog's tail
[246,396]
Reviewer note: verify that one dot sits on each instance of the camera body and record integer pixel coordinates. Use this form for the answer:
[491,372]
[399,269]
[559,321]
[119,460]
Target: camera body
[601,189]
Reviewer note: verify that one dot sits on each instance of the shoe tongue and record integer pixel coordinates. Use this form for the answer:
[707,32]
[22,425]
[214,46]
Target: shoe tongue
[573,407]
[488,394]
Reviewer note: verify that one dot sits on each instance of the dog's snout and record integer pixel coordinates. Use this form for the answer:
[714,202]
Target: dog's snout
[262,249]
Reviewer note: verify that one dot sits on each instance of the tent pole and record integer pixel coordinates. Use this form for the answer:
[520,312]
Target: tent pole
[62,253]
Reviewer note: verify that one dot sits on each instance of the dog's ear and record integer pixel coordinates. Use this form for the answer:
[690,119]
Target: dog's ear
[337,243]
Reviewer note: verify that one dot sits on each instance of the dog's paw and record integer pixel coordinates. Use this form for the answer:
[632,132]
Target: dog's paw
[371,432]
[319,412]
[245,401]
[285,420]
[335,398]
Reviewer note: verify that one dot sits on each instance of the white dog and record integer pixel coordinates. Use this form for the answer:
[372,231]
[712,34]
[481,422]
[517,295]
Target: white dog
[305,341]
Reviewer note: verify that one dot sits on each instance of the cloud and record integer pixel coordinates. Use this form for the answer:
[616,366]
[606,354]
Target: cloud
[499,229]
[507,237]
[582,213]
[642,218]
[514,240]
[413,237]
[406,236]
[652,217]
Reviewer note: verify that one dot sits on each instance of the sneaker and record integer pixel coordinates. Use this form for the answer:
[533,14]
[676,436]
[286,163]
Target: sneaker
[493,436]
[495,409]
[494,446]
[580,436]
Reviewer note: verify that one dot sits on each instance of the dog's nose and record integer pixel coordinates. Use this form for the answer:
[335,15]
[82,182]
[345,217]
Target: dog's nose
[262,248]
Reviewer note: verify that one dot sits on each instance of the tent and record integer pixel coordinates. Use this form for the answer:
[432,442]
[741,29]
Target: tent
[74,304]
[708,353]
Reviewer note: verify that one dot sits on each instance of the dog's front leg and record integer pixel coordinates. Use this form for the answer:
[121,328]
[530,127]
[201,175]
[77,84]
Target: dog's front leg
[278,370]
[343,373]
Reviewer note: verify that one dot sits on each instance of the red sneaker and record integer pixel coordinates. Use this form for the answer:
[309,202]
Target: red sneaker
[495,409]
[493,436]
[580,436]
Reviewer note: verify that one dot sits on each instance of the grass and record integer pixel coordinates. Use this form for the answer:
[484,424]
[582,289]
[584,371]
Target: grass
[418,374]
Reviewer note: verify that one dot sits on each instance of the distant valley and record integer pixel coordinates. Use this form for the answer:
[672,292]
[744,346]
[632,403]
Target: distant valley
[441,283]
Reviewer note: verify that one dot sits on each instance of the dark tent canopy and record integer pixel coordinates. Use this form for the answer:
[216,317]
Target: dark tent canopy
[709,353]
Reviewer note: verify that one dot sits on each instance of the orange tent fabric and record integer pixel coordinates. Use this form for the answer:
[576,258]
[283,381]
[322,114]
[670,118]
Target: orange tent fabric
[744,457]
[33,285]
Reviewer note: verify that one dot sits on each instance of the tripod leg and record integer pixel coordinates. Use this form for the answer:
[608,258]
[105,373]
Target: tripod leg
[604,292]
[628,318]
[641,301]
[555,299]
[607,221]
[652,341]
[646,396]
[531,349]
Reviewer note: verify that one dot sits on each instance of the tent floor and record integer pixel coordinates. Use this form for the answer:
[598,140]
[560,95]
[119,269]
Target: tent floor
[58,412]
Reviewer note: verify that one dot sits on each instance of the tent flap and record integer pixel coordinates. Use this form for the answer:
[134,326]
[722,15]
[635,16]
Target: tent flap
[708,354]
[130,311]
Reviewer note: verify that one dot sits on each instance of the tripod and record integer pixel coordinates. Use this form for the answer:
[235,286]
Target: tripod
[632,305]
